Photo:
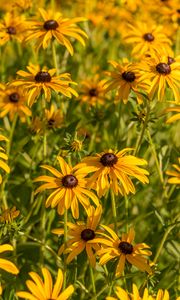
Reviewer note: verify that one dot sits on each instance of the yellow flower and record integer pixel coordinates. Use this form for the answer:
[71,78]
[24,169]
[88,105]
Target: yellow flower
[81,235]
[175,179]
[163,73]
[12,27]
[5,264]
[147,38]
[112,170]
[54,26]
[93,91]
[3,165]
[12,101]
[36,126]
[76,145]
[70,188]
[45,290]
[42,80]
[126,78]
[8,215]
[122,250]
[123,295]
[53,117]
[174,117]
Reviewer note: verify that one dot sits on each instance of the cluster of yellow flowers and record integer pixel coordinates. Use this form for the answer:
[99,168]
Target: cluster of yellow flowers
[152,72]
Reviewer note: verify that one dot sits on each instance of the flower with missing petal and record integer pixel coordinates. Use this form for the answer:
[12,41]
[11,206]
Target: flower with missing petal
[5,264]
[40,80]
[53,26]
[113,169]
[45,290]
[122,250]
[70,188]
[81,235]
[125,79]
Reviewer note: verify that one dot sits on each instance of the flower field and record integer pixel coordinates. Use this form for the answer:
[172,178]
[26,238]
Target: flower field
[89,149]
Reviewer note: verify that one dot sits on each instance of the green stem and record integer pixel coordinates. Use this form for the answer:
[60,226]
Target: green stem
[65,243]
[119,123]
[93,282]
[140,138]
[54,57]
[126,211]
[155,157]
[113,204]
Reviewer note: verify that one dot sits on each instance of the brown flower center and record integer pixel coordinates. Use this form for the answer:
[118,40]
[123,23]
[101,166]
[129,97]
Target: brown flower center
[148,37]
[51,122]
[69,181]
[87,234]
[163,68]
[42,77]
[125,247]
[14,97]
[129,76]
[171,60]
[108,159]
[178,10]
[11,30]
[51,25]
[93,92]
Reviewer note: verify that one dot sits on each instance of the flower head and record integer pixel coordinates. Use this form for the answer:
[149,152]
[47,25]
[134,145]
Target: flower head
[135,295]
[39,80]
[9,214]
[13,100]
[53,117]
[126,78]
[81,235]
[163,73]
[5,264]
[112,170]
[123,250]
[54,26]
[45,290]
[70,188]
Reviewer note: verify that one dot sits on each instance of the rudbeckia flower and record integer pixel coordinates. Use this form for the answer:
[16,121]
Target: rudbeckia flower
[3,156]
[146,38]
[5,264]
[54,26]
[175,179]
[135,295]
[45,290]
[13,100]
[112,170]
[70,188]
[42,80]
[126,78]
[53,117]
[163,73]
[81,235]
[123,250]
[12,27]
[92,91]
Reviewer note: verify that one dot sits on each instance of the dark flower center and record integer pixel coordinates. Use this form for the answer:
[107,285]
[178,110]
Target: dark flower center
[69,181]
[108,159]
[163,68]
[42,77]
[51,25]
[14,97]
[87,234]
[129,76]
[93,92]
[178,11]
[148,37]
[125,247]
[170,60]
[11,30]
[51,122]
